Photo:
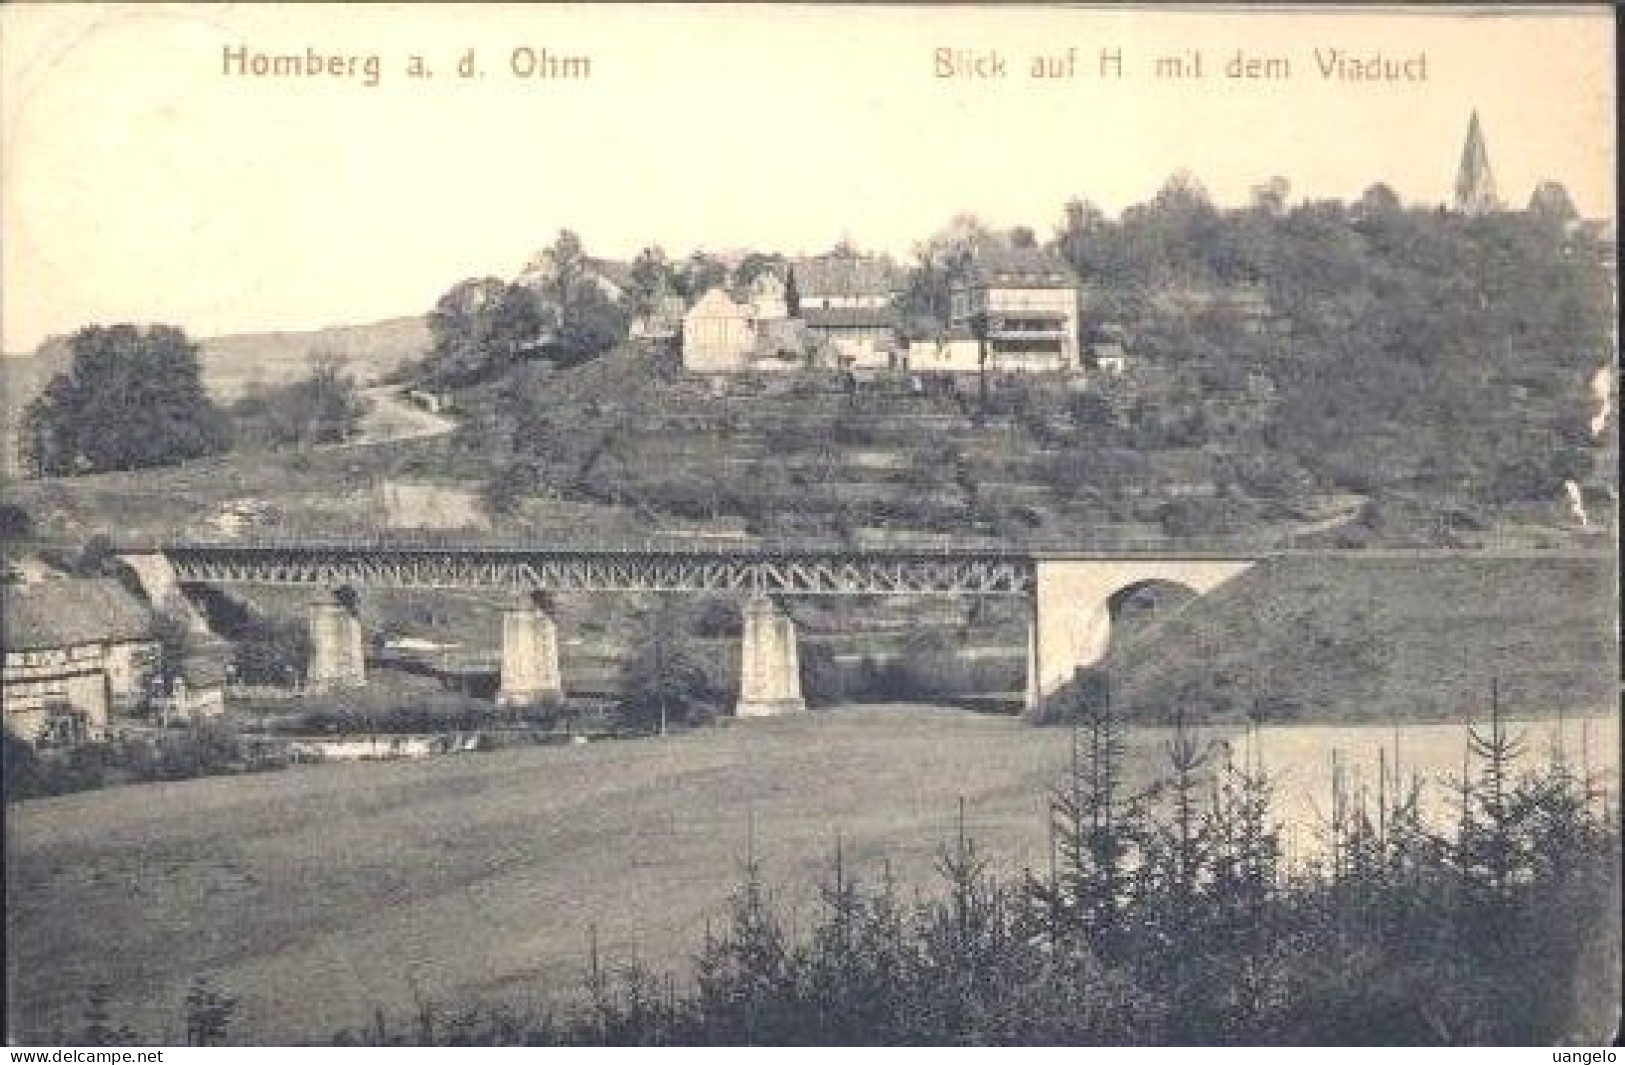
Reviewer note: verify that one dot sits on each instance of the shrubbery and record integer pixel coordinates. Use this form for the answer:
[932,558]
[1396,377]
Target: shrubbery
[325,407]
[207,748]
[665,680]
[1199,516]
[363,712]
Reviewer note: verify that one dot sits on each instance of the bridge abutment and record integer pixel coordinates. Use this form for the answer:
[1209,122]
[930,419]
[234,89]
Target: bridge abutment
[337,656]
[530,657]
[769,665]
[1070,627]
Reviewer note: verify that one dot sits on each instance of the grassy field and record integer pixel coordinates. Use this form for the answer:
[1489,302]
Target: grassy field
[321,893]
[1376,637]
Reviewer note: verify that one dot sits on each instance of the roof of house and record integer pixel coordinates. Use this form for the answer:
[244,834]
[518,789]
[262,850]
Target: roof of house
[68,613]
[849,317]
[717,304]
[767,282]
[612,270]
[998,264]
[843,275]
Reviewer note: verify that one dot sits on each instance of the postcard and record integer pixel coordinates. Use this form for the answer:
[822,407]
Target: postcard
[809,525]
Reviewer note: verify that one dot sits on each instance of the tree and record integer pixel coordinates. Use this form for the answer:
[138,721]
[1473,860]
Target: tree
[174,638]
[556,270]
[941,261]
[131,399]
[1083,236]
[590,323]
[754,265]
[481,326]
[558,292]
[323,408]
[663,681]
[1551,201]
[699,274]
[1376,203]
[652,277]
[466,341]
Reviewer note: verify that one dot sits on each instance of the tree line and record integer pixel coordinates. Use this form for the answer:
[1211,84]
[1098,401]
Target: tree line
[133,398]
[1369,345]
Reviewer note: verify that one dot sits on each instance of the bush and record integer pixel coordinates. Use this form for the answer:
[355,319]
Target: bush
[717,618]
[23,777]
[366,712]
[209,747]
[270,651]
[664,681]
[15,522]
[323,408]
[823,682]
[1196,516]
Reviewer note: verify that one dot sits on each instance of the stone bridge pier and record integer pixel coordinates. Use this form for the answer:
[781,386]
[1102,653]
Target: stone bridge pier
[769,665]
[1071,623]
[337,654]
[530,656]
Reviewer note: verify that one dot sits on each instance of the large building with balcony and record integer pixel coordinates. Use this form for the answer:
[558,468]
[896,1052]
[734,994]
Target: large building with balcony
[1024,304]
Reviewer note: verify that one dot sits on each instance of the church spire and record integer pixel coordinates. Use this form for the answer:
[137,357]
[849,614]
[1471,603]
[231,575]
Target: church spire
[1475,184]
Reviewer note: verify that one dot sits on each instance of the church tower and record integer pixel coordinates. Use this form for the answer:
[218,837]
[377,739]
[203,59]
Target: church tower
[1475,184]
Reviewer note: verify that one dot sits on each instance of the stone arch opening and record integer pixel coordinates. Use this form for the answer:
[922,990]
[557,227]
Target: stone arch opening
[1137,608]
[1077,606]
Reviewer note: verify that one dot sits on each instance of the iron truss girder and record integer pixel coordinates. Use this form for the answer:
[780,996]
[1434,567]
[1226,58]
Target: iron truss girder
[787,573]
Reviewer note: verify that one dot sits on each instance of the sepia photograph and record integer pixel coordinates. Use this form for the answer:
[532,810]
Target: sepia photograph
[809,525]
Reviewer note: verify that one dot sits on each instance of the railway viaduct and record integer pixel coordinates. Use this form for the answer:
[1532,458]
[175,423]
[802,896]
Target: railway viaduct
[1070,594]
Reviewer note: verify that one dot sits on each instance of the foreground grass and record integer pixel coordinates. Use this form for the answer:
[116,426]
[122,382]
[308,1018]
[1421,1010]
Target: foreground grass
[323,896]
[324,893]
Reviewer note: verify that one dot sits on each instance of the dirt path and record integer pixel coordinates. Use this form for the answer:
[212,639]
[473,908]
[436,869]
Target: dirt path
[392,417]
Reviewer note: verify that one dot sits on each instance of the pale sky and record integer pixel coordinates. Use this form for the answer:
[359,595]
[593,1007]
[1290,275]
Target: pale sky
[142,183]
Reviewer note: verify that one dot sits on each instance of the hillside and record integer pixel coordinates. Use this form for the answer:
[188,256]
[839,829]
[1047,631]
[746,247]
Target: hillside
[800,454]
[1383,636]
[231,363]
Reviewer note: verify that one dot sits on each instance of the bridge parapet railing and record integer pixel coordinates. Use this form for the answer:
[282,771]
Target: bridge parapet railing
[751,546]
[745,546]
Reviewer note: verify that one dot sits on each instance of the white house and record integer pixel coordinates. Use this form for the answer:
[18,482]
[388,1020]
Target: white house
[769,297]
[1026,303]
[955,352]
[719,335]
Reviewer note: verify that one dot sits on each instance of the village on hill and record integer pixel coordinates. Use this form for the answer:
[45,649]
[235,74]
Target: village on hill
[965,587]
[1153,380]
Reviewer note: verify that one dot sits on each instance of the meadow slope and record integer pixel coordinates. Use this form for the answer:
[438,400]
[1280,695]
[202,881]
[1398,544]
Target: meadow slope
[321,894]
[324,892]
